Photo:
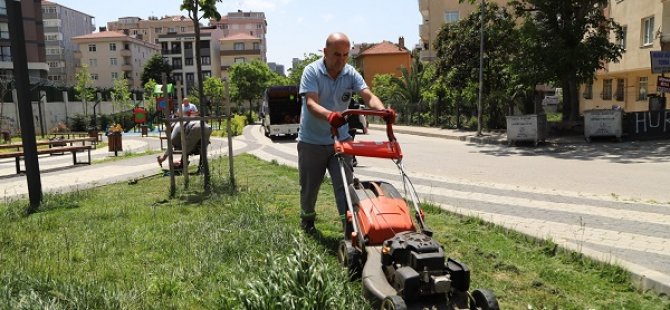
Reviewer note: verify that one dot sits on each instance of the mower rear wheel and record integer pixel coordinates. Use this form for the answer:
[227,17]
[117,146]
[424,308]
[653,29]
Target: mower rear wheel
[350,258]
[484,300]
[394,302]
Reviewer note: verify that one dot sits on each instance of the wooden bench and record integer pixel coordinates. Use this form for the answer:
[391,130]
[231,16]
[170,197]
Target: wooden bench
[18,154]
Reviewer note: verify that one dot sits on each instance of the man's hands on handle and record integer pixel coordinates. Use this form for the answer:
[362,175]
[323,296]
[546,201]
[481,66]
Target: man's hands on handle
[336,119]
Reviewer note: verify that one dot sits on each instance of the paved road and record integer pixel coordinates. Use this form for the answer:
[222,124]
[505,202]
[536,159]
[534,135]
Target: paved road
[608,227]
[533,191]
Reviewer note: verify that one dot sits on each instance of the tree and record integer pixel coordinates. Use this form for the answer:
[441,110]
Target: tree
[154,69]
[457,43]
[249,80]
[149,88]
[208,9]
[121,94]
[214,89]
[571,41]
[84,86]
[296,73]
[409,87]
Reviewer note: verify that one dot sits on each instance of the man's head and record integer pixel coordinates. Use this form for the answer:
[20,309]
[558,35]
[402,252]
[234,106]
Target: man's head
[336,52]
[185,101]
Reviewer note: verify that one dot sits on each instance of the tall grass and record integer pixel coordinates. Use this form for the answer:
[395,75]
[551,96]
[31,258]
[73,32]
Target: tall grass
[127,246]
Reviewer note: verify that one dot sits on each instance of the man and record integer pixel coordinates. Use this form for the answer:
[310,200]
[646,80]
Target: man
[187,108]
[193,133]
[326,87]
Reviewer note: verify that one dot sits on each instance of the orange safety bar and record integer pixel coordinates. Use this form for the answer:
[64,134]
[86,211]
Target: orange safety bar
[380,149]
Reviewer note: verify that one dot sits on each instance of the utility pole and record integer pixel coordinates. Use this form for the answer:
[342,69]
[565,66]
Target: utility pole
[481,70]
[20,63]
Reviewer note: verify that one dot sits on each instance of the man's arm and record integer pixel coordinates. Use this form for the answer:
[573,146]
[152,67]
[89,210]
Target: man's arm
[315,108]
[371,100]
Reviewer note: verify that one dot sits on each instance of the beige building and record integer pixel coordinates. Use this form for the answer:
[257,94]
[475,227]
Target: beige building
[436,13]
[178,49]
[238,48]
[251,24]
[111,55]
[149,29]
[627,83]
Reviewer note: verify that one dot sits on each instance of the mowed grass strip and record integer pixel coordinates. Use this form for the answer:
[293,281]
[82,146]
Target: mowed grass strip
[129,246]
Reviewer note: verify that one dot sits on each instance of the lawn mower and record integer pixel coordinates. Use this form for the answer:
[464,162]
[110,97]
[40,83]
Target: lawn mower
[391,249]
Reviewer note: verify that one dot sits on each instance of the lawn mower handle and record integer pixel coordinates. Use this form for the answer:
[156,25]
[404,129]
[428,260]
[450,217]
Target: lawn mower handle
[387,115]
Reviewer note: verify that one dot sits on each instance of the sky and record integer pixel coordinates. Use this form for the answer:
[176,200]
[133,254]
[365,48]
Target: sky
[295,27]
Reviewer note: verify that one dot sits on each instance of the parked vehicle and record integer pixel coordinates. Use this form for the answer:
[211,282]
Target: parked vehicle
[280,112]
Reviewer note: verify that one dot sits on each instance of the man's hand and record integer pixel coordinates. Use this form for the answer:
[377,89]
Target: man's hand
[390,115]
[336,119]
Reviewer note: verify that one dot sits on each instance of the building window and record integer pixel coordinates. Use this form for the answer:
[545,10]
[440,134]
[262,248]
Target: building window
[257,46]
[588,91]
[171,29]
[239,46]
[4,31]
[642,88]
[115,75]
[183,29]
[53,51]
[607,89]
[189,77]
[94,76]
[176,77]
[188,61]
[648,31]
[93,62]
[619,89]
[188,45]
[158,30]
[113,62]
[91,48]
[112,46]
[47,36]
[206,74]
[3,7]
[205,60]
[54,64]
[622,41]
[176,63]
[5,53]
[238,60]
[451,17]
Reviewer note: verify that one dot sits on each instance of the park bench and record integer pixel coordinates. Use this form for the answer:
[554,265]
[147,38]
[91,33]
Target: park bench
[55,147]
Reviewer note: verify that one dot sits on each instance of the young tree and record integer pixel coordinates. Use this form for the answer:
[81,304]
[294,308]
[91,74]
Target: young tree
[84,87]
[208,10]
[214,89]
[154,69]
[121,94]
[296,73]
[571,41]
[149,88]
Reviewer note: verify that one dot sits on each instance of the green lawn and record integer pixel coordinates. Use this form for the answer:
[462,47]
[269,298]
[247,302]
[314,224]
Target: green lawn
[129,246]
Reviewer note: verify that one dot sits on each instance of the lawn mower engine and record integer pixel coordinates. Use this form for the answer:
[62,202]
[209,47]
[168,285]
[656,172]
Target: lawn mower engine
[415,265]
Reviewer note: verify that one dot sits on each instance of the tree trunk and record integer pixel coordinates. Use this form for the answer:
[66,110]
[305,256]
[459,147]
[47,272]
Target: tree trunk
[570,99]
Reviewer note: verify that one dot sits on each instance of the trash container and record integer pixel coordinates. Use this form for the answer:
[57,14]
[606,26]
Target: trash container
[114,142]
[602,123]
[531,127]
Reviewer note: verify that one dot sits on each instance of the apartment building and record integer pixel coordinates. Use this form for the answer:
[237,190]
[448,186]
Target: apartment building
[178,49]
[239,48]
[149,29]
[111,55]
[436,13]
[629,82]
[61,24]
[34,38]
[251,24]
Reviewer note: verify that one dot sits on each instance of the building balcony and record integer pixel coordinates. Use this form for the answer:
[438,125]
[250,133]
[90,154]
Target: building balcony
[126,67]
[240,52]
[424,8]
[126,53]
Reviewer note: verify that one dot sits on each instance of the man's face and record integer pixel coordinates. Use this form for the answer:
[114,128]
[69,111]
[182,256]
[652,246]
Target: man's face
[336,56]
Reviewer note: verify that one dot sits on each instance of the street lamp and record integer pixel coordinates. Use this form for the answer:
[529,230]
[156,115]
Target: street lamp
[481,70]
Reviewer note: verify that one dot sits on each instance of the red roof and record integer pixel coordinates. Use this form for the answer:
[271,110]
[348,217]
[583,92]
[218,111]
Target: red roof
[102,34]
[385,47]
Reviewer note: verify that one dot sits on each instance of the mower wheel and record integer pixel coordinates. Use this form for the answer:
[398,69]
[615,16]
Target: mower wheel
[484,300]
[350,258]
[394,302]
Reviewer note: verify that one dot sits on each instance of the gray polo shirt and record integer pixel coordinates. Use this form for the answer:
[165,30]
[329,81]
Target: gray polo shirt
[334,95]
